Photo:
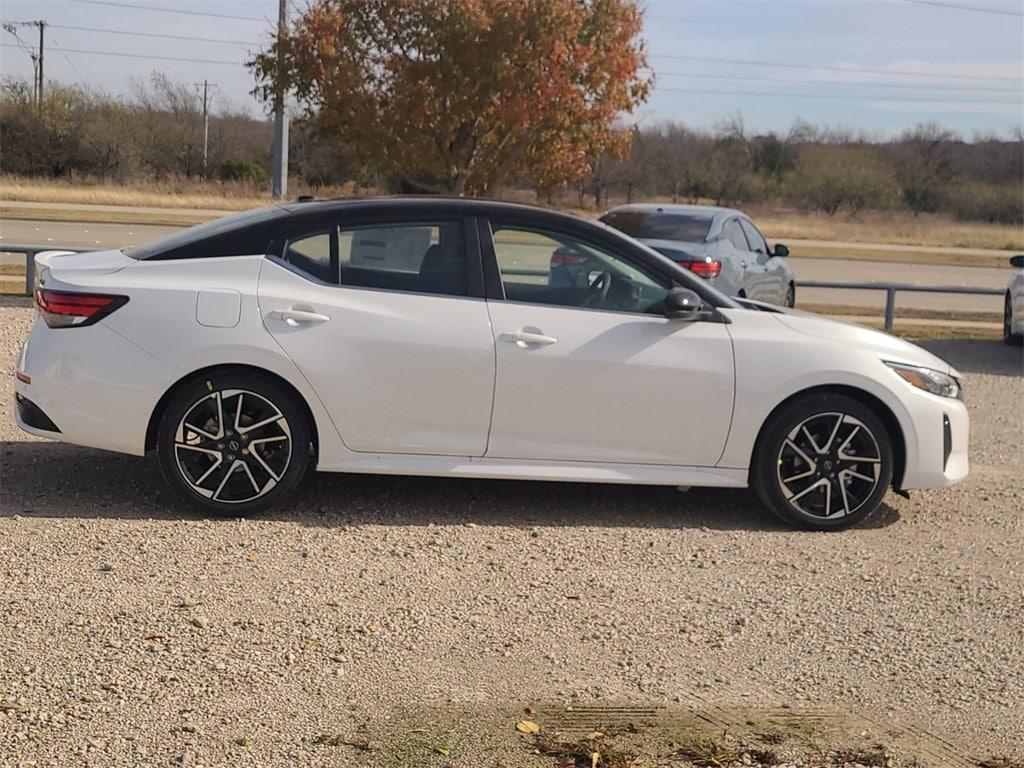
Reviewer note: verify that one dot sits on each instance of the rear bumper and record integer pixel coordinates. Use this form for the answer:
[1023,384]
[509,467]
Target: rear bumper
[87,386]
[31,417]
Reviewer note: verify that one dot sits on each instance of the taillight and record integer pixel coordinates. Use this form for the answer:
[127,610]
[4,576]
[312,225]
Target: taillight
[705,268]
[61,309]
[565,256]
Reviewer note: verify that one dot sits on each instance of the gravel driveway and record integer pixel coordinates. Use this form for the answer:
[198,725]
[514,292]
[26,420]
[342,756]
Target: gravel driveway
[417,617]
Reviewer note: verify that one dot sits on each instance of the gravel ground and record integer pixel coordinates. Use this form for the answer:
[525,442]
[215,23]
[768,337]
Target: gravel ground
[415,618]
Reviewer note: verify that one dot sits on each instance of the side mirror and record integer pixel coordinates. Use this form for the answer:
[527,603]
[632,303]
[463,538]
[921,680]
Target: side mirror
[683,304]
[781,250]
[1017,261]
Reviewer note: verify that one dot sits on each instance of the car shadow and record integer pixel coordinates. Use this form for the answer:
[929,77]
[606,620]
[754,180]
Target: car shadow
[46,479]
[978,355]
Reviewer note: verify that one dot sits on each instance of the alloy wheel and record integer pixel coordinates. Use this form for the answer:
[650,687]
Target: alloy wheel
[829,465]
[232,446]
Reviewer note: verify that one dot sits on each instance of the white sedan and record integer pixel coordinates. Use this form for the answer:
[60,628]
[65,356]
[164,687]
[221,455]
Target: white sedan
[424,337]
[1013,306]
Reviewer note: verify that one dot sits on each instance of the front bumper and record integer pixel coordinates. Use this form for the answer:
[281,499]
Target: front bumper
[937,441]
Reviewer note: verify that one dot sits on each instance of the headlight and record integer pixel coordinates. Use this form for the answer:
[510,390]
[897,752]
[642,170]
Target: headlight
[936,382]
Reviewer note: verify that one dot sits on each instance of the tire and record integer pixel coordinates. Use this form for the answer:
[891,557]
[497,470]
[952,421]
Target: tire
[790,300]
[846,448]
[1013,339]
[197,440]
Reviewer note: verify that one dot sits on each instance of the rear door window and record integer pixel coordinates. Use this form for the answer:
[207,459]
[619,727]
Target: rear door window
[419,258]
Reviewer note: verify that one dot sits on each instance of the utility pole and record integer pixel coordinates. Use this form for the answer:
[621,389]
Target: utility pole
[206,121]
[42,26]
[280,158]
[37,58]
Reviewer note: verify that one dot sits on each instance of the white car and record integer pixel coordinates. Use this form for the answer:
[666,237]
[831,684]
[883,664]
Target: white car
[1013,306]
[414,336]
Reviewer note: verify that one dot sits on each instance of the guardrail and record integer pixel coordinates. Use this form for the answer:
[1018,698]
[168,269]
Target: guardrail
[30,252]
[891,289]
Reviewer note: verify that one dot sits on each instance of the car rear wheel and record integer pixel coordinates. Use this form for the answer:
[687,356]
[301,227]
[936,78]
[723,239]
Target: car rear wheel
[233,443]
[823,462]
[1014,339]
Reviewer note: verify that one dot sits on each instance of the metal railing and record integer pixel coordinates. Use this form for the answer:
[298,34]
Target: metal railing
[891,289]
[30,252]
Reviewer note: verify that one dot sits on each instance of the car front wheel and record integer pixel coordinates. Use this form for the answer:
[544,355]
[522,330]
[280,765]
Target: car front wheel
[233,443]
[823,462]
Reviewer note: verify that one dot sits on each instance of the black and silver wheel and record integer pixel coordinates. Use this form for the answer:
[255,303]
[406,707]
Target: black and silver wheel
[823,462]
[790,300]
[1014,339]
[233,443]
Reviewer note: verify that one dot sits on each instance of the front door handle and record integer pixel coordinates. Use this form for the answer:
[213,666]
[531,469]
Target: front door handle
[524,339]
[294,317]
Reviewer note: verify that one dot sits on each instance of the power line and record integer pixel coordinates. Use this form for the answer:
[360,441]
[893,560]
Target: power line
[171,10]
[956,7]
[190,38]
[909,86]
[788,65]
[145,56]
[55,44]
[843,97]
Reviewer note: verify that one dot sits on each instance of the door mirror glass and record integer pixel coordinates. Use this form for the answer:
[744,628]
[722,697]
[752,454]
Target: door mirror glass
[683,304]
[1017,261]
[781,250]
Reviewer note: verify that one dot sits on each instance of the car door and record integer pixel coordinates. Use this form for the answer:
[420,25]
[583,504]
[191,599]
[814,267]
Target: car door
[382,321]
[752,271]
[596,373]
[770,284]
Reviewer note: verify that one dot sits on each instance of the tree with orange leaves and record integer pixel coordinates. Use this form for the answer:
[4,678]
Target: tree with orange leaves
[461,96]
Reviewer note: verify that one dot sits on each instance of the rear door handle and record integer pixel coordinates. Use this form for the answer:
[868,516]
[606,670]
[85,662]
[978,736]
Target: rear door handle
[524,339]
[295,317]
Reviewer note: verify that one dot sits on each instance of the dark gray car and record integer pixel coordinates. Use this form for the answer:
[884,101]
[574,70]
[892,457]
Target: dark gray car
[721,245]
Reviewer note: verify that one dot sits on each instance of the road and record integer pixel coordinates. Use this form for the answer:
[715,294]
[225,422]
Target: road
[917,274]
[94,235]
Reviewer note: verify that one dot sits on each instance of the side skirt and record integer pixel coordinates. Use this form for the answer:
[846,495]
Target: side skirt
[564,471]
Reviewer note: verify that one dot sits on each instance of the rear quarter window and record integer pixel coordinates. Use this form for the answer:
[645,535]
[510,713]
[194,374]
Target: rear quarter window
[238,235]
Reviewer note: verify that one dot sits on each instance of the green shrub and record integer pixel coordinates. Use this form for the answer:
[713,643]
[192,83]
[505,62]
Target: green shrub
[244,171]
[977,201]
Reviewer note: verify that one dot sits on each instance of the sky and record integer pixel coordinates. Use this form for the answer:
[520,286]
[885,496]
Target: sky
[877,66]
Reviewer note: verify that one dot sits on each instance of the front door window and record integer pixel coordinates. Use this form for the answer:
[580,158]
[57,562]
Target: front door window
[554,269]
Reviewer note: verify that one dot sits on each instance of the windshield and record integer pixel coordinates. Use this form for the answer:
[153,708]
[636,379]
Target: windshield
[210,229]
[654,225]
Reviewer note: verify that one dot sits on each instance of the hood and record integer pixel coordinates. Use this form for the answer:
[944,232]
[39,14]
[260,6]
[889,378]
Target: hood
[65,265]
[888,347]
[677,250]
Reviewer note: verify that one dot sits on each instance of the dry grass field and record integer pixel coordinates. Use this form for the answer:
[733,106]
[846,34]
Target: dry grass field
[894,228]
[183,195]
